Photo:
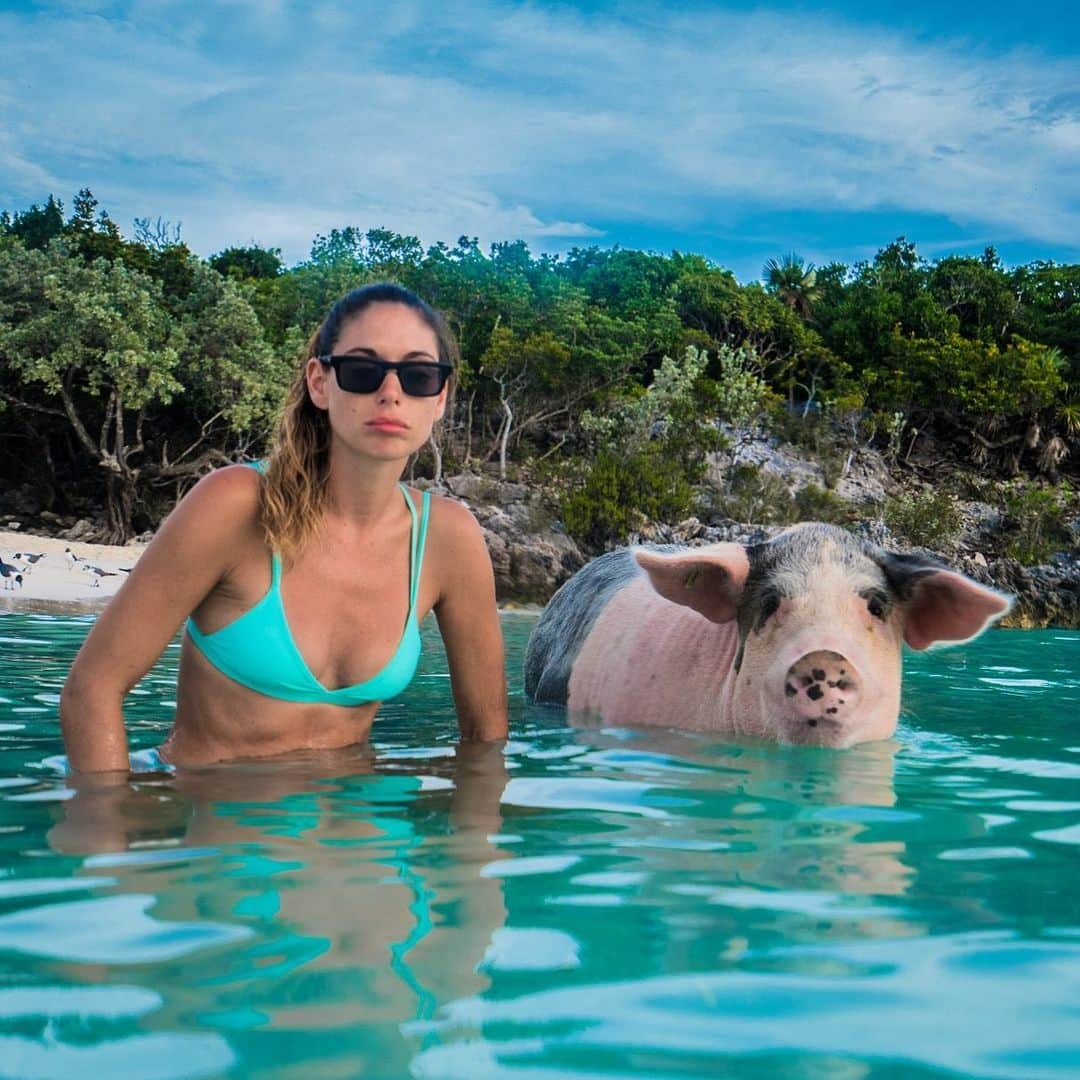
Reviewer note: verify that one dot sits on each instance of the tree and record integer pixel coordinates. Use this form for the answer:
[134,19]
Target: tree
[95,349]
[246,263]
[38,225]
[979,293]
[794,282]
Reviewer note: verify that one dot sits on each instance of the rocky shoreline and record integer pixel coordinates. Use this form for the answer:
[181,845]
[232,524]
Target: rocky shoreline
[532,555]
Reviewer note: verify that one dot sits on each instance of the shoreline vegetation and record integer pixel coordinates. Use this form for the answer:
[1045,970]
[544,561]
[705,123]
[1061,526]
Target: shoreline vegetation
[605,396]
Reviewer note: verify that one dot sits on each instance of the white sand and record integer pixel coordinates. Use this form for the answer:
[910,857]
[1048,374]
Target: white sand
[52,579]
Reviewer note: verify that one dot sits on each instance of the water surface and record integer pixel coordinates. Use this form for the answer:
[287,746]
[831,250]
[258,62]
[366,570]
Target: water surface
[598,902]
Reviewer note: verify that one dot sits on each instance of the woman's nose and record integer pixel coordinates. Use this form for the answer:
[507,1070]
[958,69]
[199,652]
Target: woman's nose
[390,388]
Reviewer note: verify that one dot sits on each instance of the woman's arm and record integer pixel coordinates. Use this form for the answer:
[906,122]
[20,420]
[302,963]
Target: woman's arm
[469,624]
[189,555]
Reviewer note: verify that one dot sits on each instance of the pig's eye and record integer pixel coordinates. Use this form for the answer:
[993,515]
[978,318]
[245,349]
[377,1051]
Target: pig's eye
[877,604]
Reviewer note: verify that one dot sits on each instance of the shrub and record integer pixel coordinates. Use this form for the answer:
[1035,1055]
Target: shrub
[813,503]
[1036,516]
[752,494]
[929,519]
[620,494]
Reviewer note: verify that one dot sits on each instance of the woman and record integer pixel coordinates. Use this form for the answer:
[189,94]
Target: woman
[306,581]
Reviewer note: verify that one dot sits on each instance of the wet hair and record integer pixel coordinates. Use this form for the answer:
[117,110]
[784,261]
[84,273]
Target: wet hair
[294,488]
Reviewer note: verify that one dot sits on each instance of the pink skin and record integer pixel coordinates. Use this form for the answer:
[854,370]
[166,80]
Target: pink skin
[821,670]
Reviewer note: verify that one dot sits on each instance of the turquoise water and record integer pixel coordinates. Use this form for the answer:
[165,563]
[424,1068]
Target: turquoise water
[599,902]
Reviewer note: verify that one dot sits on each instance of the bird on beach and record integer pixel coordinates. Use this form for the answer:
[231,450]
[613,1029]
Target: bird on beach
[29,558]
[11,575]
[73,560]
[99,574]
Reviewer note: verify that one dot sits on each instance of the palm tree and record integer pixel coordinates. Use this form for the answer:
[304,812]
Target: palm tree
[793,282]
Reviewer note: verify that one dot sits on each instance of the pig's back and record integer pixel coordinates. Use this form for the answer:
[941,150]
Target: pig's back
[648,661]
[568,620]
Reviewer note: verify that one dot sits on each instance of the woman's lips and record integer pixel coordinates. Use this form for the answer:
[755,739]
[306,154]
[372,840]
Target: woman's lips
[387,425]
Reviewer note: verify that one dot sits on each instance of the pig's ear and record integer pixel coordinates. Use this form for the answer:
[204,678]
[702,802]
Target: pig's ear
[709,580]
[942,605]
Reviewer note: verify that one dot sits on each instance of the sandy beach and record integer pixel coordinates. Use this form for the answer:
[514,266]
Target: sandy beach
[54,579]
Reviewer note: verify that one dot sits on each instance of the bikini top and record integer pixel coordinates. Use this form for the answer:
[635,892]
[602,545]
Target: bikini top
[257,649]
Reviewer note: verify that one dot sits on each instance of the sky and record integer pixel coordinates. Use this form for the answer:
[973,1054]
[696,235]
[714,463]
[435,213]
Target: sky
[740,132]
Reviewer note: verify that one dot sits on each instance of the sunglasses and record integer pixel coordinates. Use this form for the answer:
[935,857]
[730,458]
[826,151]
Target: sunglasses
[365,374]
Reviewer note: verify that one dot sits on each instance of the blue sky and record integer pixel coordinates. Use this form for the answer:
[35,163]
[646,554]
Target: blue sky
[738,131]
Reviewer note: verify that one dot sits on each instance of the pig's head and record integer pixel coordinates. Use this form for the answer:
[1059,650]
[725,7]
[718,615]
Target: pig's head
[821,616]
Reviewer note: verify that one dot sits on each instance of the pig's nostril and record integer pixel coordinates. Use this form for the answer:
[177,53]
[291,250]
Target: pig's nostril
[821,686]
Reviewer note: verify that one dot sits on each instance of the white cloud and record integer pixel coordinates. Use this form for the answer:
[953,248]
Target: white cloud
[507,122]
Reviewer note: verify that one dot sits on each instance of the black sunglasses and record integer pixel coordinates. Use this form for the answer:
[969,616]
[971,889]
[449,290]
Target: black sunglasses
[365,374]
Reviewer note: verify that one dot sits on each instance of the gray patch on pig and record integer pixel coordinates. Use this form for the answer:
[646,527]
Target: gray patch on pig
[568,620]
[903,571]
[787,565]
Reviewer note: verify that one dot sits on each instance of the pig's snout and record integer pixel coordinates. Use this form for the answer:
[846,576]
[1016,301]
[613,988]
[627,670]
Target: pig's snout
[822,687]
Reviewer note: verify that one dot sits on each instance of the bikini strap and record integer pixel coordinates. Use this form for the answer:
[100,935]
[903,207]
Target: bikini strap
[416,542]
[425,508]
[275,571]
[412,544]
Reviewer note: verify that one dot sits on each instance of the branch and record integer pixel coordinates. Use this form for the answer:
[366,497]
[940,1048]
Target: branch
[139,445]
[33,408]
[194,446]
[192,468]
[992,445]
[69,410]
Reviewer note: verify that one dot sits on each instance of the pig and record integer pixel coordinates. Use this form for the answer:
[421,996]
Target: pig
[796,640]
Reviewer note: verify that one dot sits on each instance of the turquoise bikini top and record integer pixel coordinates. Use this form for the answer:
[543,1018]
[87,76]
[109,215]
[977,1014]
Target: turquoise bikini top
[257,649]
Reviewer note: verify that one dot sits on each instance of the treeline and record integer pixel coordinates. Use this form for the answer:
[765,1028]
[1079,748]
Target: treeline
[129,366]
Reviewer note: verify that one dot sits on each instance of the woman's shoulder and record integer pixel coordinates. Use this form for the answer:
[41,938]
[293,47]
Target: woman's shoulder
[235,483]
[457,554]
[226,498]
[451,518]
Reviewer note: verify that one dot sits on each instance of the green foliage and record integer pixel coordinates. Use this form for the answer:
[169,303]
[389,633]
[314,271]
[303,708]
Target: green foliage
[752,494]
[760,496]
[150,388]
[1037,516]
[247,263]
[36,226]
[650,456]
[978,293]
[740,395]
[929,519]
[620,494]
[967,378]
[813,503]
[1049,310]
[794,282]
[627,428]
[558,354]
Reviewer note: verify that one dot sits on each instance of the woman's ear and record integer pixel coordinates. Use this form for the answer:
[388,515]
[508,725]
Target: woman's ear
[317,375]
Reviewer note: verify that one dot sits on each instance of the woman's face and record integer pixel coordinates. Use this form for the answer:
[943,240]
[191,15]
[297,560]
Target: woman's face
[387,423]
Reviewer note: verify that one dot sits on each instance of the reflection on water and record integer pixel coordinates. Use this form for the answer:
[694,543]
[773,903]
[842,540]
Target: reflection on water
[581,902]
[332,908]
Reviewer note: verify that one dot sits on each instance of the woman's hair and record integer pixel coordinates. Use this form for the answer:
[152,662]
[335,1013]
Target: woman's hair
[294,489]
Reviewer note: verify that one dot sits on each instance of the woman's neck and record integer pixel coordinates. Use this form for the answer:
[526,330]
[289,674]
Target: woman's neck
[363,491]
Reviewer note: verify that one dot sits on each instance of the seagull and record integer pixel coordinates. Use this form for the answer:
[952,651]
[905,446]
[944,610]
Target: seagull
[73,560]
[11,575]
[99,574]
[29,559]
